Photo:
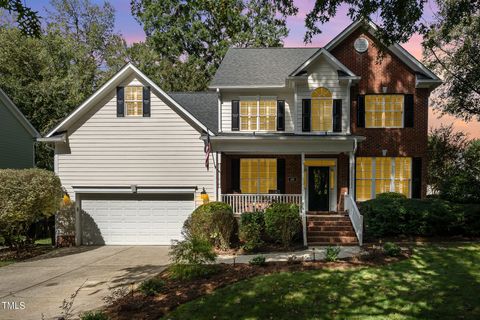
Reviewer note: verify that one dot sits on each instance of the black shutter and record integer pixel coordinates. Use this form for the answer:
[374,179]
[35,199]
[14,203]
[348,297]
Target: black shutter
[146,101]
[337,115]
[280,115]
[408,111]
[281,175]
[306,112]
[235,170]
[361,111]
[416,177]
[235,115]
[120,102]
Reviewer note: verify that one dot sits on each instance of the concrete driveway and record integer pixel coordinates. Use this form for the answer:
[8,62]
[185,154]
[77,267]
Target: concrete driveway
[38,287]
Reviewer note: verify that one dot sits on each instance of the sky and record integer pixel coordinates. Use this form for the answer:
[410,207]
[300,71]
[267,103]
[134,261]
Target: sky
[133,32]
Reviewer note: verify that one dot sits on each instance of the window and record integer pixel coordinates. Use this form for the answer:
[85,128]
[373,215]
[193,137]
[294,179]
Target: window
[384,111]
[383,174]
[134,100]
[258,175]
[258,114]
[322,110]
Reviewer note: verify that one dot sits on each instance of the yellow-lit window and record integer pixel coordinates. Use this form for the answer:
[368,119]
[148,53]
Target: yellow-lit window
[364,179]
[322,110]
[383,174]
[134,100]
[258,115]
[258,175]
[384,111]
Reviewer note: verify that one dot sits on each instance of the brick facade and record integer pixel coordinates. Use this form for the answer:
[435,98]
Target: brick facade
[388,71]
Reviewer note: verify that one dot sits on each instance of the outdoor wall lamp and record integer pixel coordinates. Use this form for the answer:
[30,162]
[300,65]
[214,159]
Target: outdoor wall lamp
[204,196]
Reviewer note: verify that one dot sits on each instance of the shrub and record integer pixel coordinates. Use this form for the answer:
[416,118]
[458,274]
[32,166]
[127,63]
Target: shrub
[213,221]
[192,251]
[332,254]
[282,222]
[94,315]
[391,249]
[26,196]
[192,271]
[151,286]
[252,225]
[415,217]
[391,195]
[258,261]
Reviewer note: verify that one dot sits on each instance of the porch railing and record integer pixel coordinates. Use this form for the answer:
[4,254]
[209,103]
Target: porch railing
[355,217]
[242,202]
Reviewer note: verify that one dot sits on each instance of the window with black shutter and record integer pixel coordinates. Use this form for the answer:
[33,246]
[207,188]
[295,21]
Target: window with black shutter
[306,114]
[281,115]
[361,111]
[337,115]
[235,115]
[120,101]
[409,111]
[146,101]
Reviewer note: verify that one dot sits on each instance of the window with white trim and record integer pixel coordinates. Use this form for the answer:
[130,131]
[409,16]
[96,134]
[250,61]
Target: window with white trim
[322,110]
[258,175]
[258,114]
[384,111]
[383,174]
[134,101]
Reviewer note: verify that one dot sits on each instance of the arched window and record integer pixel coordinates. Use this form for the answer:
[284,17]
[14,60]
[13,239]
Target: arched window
[322,110]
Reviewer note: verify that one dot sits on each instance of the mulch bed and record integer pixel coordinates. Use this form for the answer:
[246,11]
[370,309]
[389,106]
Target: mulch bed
[7,254]
[175,292]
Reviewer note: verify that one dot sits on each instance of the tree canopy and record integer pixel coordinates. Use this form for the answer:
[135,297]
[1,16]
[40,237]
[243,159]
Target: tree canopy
[28,20]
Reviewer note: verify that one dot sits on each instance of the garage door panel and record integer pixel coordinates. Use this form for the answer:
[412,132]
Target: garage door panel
[134,219]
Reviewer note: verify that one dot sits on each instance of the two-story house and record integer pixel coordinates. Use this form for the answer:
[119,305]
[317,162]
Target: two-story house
[320,127]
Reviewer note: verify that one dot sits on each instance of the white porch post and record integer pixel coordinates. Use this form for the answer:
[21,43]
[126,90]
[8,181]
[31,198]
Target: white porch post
[351,190]
[302,208]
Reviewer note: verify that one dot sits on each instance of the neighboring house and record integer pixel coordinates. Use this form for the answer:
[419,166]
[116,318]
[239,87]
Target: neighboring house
[319,127]
[17,136]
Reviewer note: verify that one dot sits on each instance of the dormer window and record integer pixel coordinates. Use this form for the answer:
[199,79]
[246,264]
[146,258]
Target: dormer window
[322,110]
[134,101]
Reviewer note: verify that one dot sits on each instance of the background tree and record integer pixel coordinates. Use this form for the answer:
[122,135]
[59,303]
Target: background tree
[28,20]
[193,36]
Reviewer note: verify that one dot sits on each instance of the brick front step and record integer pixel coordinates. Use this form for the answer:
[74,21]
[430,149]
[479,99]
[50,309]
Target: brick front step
[335,233]
[328,218]
[332,240]
[329,223]
[315,227]
[326,213]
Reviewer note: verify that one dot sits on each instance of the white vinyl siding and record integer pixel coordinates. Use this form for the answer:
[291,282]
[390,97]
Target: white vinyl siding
[322,74]
[162,150]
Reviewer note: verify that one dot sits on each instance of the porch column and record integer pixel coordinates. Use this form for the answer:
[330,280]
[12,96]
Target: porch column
[351,190]
[302,209]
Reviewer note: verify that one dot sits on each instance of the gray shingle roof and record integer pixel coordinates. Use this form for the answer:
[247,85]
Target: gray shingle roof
[259,66]
[202,105]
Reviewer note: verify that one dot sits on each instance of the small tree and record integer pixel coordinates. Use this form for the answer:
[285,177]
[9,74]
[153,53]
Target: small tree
[26,196]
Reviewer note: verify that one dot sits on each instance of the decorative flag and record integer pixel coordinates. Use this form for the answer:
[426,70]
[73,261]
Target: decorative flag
[207,149]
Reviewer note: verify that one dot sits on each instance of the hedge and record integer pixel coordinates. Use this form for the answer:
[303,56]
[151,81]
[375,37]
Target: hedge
[26,196]
[392,216]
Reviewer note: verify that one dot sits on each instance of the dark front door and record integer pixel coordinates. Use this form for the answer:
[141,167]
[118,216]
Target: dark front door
[318,188]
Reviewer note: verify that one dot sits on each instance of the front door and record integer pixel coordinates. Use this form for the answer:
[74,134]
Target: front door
[318,188]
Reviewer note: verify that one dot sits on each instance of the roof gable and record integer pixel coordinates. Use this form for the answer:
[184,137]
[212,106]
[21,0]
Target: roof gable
[9,105]
[330,59]
[128,70]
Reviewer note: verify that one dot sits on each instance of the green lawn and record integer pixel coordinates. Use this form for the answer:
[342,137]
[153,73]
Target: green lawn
[438,282]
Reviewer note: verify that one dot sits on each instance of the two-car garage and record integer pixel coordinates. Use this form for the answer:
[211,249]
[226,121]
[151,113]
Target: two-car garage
[133,218]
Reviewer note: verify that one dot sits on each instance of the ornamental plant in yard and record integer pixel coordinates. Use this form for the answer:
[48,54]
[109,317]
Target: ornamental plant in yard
[252,226]
[214,222]
[282,222]
[26,196]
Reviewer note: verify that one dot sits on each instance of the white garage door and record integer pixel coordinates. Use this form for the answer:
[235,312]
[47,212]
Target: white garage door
[134,219]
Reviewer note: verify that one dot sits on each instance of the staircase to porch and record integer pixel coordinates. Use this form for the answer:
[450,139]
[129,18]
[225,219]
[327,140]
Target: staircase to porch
[330,228]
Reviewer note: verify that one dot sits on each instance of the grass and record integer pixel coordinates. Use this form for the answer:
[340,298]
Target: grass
[44,242]
[4,263]
[438,282]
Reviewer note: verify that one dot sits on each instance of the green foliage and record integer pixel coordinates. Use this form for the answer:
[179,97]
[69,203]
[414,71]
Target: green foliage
[195,35]
[26,196]
[415,217]
[192,250]
[151,286]
[94,315]
[282,222]
[331,255]
[390,195]
[391,249]
[192,271]
[214,222]
[454,165]
[258,261]
[28,20]
[252,226]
